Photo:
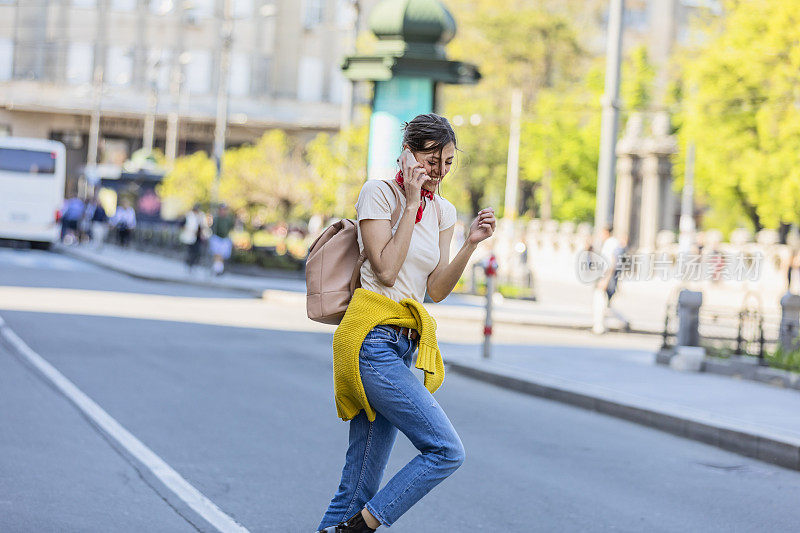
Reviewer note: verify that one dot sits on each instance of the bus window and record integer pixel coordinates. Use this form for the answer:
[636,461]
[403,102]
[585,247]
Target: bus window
[27,161]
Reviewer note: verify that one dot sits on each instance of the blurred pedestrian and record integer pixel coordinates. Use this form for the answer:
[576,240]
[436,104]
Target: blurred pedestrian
[194,234]
[220,242]
[792,267]
[71,213]
[124,221]
[612,251]
[96,221]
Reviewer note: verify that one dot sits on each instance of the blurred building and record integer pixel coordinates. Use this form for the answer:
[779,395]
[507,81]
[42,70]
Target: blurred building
[60,60]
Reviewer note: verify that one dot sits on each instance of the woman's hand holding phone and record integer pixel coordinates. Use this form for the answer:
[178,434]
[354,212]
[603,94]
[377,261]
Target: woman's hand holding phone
[413,177]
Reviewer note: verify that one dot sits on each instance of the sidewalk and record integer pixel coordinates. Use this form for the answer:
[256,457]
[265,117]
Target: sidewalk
[562,303]
[555,310]
[747,418]
[159,268]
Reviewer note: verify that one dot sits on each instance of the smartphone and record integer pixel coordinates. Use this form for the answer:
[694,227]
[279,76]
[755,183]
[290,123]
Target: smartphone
[408,157]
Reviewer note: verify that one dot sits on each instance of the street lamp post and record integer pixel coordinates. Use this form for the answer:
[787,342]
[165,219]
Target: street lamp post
[604,208]
[177,92]
[686,224]
[152,104]
[97,85]
[512,172]
[226,40]
[349,92]
[94,123]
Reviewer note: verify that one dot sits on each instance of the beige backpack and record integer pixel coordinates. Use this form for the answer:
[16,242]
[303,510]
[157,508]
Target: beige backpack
[333,266]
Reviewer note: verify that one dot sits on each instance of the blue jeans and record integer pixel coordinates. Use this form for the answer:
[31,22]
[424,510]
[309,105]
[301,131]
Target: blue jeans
[401,402]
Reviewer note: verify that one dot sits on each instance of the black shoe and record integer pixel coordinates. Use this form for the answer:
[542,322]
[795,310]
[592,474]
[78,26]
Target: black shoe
[354,524]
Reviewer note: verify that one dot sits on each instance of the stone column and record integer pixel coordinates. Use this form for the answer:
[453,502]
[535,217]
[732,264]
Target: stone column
[656,202]
[628,163]
[664,145]
[668,199]
[623,197]
[689,303]
[650,204]
[790,321]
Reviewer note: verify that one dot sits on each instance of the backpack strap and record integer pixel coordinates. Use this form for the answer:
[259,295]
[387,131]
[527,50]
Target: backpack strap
[396,192]
[355,278]
[438,210]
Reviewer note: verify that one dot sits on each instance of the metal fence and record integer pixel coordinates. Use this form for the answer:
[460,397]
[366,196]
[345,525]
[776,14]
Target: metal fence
[747,331]
[163,238]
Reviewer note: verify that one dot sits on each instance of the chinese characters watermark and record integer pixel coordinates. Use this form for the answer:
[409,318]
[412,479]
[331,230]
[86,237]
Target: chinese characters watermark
[592,266]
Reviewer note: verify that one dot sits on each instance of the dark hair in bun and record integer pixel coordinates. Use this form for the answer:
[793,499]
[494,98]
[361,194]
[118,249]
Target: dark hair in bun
[428,133]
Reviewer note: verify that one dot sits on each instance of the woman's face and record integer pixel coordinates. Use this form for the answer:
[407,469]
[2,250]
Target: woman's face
[436,166]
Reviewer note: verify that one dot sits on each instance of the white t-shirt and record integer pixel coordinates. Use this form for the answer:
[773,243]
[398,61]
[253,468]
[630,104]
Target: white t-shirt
[377,201]
[609,250]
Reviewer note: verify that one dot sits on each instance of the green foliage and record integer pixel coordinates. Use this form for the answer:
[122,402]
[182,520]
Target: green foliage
[560,149]
[264,181]
[786,360]
[505,289]
[536,49]
[638,76]
[741,108]
[338,165]
[517,44]
[273,180]
[268,261]
[477,178]
[189,181]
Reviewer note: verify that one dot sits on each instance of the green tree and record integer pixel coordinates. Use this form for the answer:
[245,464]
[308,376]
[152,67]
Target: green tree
[477,177]
[265,181]
[516,45]
[188,182]
[741,108]
[338,169]
[559,151]
[638,76]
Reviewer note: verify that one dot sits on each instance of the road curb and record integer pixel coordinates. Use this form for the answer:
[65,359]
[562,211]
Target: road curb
[764,444]
[109,265]
[740,367]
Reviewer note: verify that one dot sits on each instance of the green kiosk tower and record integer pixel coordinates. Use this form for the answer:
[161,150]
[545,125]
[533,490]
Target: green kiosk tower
[408,63]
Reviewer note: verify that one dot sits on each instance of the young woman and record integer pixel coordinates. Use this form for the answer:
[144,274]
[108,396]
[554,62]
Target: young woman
[380,394]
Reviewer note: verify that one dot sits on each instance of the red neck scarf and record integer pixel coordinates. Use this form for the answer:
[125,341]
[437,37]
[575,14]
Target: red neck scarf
[424,193]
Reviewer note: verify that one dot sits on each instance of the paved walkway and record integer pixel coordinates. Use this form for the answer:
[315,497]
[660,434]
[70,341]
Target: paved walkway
[159,268]
[747,417]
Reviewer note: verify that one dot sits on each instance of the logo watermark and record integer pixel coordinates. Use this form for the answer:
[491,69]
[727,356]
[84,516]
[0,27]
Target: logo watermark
[591,266]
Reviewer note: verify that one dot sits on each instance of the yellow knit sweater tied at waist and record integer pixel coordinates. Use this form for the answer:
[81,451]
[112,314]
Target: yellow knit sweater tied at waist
[366,310]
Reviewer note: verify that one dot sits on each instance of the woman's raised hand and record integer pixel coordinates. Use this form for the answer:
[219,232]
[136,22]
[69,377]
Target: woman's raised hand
[413,177]
[483,226]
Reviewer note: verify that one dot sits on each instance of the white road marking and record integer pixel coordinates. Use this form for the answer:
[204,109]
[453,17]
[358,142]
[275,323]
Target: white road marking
[114,430]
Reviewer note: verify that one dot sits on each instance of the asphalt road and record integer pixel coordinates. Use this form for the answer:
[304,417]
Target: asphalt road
[246,415]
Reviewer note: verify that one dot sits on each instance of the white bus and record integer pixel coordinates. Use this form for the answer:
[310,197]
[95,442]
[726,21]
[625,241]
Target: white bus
[32,174]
